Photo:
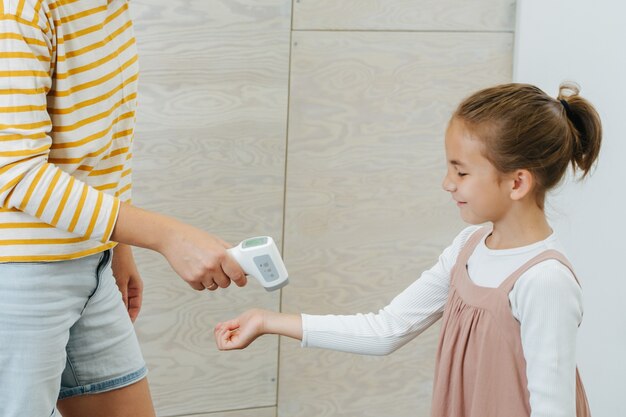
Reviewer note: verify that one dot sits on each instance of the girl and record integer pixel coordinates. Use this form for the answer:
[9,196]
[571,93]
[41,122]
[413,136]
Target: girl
[510,301]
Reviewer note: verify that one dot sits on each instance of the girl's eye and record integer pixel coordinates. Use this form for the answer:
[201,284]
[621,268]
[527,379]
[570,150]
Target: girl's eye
[461,174]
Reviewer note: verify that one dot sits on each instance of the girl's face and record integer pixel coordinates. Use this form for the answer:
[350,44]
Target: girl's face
[479,190]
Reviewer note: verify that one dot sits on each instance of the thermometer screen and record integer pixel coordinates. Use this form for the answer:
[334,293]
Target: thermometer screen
[257,241]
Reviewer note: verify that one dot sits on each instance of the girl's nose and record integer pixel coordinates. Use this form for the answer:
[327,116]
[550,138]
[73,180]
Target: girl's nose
[448,185]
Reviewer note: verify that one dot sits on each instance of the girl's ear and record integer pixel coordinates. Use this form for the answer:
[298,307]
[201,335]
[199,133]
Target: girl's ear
[523,183]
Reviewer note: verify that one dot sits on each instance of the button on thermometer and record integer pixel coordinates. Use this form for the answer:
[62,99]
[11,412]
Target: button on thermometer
[259,257]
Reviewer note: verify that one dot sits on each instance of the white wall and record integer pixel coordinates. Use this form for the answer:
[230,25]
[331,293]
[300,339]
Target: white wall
[584,41]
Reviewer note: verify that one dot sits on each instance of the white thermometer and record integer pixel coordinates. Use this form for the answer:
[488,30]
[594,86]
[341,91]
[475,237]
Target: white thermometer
[259,257]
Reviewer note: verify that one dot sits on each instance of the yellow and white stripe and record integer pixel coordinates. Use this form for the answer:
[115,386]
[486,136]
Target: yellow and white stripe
[68,92]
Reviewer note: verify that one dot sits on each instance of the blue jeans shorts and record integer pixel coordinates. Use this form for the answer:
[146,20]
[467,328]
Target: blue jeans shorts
[64,331]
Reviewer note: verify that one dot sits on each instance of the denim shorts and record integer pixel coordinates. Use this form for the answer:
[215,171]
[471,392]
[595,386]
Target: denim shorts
[64,331]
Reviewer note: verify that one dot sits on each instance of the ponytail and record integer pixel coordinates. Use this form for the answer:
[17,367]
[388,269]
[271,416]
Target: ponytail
[585,130]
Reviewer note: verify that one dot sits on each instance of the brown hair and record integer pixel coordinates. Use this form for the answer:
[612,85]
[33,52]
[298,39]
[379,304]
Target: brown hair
[524,128]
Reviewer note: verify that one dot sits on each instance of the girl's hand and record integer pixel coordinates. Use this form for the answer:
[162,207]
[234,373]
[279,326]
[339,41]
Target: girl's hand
[127,278]
[240,332]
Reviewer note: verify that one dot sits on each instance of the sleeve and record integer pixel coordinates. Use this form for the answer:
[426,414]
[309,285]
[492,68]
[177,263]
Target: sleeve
[547,301]
[407,316]
[126,183]
[28,182]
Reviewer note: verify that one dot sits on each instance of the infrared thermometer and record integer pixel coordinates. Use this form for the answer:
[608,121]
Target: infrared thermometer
[259,257]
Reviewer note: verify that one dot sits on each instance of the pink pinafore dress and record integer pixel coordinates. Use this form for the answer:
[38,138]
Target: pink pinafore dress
[480,369]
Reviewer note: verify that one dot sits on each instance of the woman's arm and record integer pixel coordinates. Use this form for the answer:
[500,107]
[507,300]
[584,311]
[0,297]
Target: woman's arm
[128,279]
[198,257]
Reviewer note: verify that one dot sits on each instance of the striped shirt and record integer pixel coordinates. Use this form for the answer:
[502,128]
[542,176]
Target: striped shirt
[68,90]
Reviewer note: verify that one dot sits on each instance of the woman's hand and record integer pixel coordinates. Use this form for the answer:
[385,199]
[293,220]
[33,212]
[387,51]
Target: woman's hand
[128,280]
[201,258]
[198,257]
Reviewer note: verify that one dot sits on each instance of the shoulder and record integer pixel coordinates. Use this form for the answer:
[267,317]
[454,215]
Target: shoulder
[450,254]
[549,276]
[28,15]
[24,9]
[461,239]
[547,285]
[550,273]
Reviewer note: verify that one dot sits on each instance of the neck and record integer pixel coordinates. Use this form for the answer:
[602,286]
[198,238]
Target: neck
[523,225]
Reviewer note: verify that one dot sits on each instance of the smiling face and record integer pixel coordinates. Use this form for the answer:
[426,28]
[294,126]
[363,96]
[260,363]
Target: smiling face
[481,192]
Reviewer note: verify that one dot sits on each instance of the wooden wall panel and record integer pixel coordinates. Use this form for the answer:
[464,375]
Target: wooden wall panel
[210,150]
[365,213]
[396,15]
[254,412]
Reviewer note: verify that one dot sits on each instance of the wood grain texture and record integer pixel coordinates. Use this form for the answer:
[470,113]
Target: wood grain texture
[423,15]
[187,373]
[255,412]
[161,20]
[365,213]
[210,150]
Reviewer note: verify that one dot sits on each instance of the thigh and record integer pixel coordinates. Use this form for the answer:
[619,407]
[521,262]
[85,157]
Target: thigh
[103,353]
[130,401]
[39,303]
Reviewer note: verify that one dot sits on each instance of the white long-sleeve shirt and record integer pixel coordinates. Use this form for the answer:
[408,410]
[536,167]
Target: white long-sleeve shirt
[546,300]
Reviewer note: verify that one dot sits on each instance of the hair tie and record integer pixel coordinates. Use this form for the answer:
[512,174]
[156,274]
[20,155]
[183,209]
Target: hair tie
[575,119]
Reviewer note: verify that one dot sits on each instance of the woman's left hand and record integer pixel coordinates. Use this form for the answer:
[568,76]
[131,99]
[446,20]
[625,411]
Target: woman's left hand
[127,278]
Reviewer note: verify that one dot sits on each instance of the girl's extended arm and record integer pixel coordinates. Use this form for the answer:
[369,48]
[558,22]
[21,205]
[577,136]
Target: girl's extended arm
[240,332]
[409,314]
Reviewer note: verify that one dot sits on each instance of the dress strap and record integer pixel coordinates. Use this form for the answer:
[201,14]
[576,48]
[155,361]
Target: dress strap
[507,284]
[469,246]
